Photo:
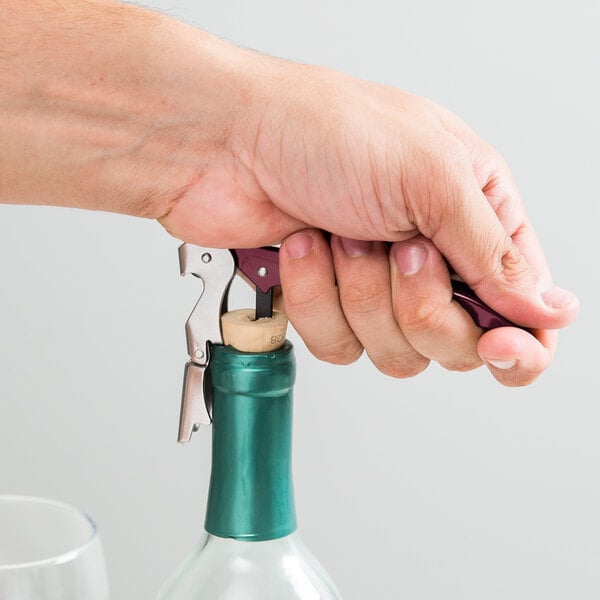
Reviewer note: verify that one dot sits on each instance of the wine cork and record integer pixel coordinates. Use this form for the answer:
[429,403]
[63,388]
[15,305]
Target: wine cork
[243,333]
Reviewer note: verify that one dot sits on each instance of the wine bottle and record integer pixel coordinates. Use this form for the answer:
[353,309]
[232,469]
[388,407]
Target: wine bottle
[250,549]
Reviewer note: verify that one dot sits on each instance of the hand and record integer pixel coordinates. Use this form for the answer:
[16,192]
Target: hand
[230,148]
[374,164]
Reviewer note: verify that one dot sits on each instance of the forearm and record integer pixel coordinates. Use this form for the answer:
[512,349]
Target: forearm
[108,106]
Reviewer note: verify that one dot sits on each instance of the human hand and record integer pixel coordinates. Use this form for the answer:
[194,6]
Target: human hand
[374,164]
[230,148]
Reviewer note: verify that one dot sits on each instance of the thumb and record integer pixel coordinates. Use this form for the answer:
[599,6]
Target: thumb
[507,269]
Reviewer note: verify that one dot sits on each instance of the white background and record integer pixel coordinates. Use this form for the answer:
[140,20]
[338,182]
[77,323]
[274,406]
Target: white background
[444,486]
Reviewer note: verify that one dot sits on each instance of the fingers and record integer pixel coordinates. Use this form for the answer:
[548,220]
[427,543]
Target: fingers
[439,328]
[434,325]
[515,357]
[363,276]
[311,299]
[461,222]
[398,305]
[368,309]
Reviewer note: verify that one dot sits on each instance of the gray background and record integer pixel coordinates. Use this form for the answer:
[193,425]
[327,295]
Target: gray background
[444,486]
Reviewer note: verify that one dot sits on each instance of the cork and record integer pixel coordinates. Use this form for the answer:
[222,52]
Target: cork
[245,334]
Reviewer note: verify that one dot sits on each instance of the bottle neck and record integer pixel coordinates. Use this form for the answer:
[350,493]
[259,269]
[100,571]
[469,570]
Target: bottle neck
[251,494]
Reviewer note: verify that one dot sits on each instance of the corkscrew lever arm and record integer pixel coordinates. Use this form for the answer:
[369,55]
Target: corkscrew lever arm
[216,268]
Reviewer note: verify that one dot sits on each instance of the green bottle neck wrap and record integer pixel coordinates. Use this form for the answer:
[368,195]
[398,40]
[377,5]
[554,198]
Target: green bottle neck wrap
[251,494]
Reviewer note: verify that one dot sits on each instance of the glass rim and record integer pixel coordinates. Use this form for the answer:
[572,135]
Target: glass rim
[63,557]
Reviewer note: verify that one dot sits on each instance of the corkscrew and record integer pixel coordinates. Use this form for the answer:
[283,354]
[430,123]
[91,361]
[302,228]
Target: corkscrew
[217,268]
[260,268]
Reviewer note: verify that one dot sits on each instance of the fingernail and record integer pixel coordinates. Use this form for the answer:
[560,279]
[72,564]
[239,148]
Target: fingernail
[299,245]
[557,297]
[501,364]
[355,248]
[410,258]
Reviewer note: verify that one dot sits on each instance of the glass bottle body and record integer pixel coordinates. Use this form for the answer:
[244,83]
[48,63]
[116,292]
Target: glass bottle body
[229,569]
[250,550]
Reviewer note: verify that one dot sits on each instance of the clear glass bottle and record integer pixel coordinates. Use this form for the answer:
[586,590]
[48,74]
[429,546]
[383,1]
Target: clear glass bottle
[250,549]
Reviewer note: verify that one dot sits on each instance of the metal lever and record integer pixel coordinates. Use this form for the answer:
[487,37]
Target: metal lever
[195,409]
[216,269]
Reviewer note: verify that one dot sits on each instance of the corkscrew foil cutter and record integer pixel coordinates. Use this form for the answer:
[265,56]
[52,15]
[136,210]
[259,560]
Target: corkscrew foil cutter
[258,267]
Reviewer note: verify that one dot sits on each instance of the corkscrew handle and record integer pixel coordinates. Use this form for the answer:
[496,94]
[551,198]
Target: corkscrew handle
[483,316]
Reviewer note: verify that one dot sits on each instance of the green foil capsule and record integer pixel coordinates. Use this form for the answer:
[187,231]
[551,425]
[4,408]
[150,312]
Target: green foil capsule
[251,494]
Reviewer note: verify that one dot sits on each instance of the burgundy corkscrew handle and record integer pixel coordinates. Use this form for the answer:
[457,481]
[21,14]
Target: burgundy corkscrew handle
[484,316]
[261,266]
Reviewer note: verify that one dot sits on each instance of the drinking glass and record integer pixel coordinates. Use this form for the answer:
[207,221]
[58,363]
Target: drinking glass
[49,551]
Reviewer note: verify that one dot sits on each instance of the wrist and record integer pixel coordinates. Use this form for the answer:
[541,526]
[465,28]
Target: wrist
[130,104]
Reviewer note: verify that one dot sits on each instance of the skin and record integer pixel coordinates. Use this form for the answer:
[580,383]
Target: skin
[111,107]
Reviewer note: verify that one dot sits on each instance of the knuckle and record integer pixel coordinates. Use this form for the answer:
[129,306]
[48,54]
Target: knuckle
[401,367]
[463,365]
[425,315]
[508,263]
[338,352]
[441,167]
[364,299]
[303,296]
[514,266]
